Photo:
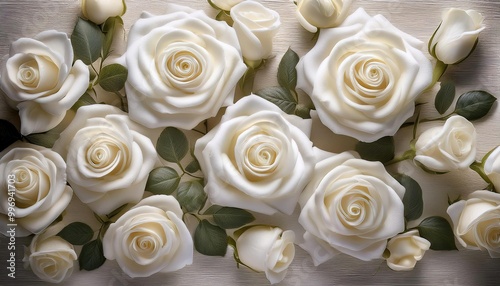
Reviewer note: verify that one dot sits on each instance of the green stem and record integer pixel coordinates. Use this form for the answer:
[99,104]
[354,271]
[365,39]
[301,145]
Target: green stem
[479,169]
[409,154]
[406,124]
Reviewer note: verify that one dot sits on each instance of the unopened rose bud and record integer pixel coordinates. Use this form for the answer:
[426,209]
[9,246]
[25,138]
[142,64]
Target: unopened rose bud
[98,11]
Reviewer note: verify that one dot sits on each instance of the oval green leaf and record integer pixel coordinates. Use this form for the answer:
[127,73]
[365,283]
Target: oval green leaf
[413,201]
[381,150]
[77,233]
[444,97]
[210,239]
[193,167]
[85,99]
[474,104]
[287,74]
[191,195]
[92,255]
[228,218]
[172,145]
[280,96]
[46,139]
[438,232]
[87,40]
[163,181]
[112,77]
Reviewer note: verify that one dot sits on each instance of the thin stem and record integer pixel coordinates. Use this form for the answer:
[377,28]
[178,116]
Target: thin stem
[479,169]
[184,172]
[406,124]
[409,154]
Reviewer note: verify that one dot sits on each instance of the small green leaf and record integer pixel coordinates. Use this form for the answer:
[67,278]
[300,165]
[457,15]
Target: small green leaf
[116,211]
[210,239]
[8,135]
[92,255]
[172,145]
[191,195]
[381,150]
[77,233]
[247,80]
[163,181]
[46,139]
[87,40]
[193,167]
[280,97]
[413,201]
[303,111]
[474,104]
[112,77]
[109,28]
[212,209]
[444,97]
[287,74]
[438,232]
[229,218]
[85,99]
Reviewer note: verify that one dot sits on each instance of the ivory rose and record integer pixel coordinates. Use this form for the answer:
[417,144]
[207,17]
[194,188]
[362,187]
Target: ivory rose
[351,206]
[41,80]
[314,14]
[255,26]
[492,167]
[183,66]
[267,249]
[32,188]
[150,238]
[258,158]
[98,11]
[456,36]
[405,250]
[476,222]
[364,76]
[448,147]
[226,5]
[108,157]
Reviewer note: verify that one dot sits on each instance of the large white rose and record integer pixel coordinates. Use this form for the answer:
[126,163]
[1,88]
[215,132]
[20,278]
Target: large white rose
[314,14]
[456,36]
[98,11]
[492,167]
[448,147]
[267,249]
[40,79]
[258,158]
[476,222]
[150,238]
[183,67]
[352,206]
[32,188]
[405,250]
[255,26]
[364,76]
[108,157]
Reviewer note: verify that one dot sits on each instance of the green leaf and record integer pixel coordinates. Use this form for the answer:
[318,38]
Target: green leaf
[287,74]
[413,201]
[444,97]
[438,232]
[46,139]
[8,135]
[163,181]
[228,217]
[116,211]
[85,99]
[210,239]
[87,41]
[109,28]
[303,111]
[224,16]
[247,80]
[77,233]
[191,195]
[474,104]
[280,97]
[212,209]
[112,77]
[92,255]
[381,150]
[193,167]
[172,145]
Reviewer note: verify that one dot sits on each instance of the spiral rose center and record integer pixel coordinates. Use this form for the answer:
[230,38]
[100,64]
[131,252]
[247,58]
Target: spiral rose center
[180,65]
[31,185]
[107,155]
[28,74]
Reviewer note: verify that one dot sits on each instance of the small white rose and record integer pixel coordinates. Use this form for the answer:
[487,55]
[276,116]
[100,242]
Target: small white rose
[267,249]
[255,26]
[258,158]
[32,188]
[98,11]
[225,5]
[314,14]
[456,36]
[476,222]
[40,79]
[448,147]
[150,238]
[405,250]
[492,167]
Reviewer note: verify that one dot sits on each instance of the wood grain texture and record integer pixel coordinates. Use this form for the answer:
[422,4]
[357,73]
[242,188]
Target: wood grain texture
[26,18]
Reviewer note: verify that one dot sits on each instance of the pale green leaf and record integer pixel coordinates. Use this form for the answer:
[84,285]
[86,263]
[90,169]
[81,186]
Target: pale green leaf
[210,239]
[191,195]
[287,74]
[162,180]
[87,40]
[112,77]
[172,145]
[280,97]
[45,139]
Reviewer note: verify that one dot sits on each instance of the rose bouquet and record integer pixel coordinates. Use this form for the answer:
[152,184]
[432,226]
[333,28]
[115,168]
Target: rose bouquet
[160,133]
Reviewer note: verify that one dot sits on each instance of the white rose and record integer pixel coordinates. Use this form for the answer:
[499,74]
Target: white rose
[32,188]
[255,26]
[50,257]
[364,76]
[108,157]
[150,238]
[40,79]
[405,250]
[267,249]
[258,158]
[183,67]
[352,206]
[456,36]
[476,222]
[225,5]
[314,14]
[448,147]
[492,167]
[98,11]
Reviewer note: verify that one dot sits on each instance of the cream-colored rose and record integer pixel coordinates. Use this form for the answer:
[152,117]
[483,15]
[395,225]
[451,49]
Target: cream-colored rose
[267,249]
[183,66]
[364,76]
[314,14]
[33,188]
[150,238]
[41,80]
[98,11]
[108,158]
[405,250]
[255,26]
[258,158]
[448,147]
[50,257]
[492,167]
[456,36]
[476,222]
[351,206]
[225,5]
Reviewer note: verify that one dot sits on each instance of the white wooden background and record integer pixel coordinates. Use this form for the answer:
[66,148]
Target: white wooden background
[26,18]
